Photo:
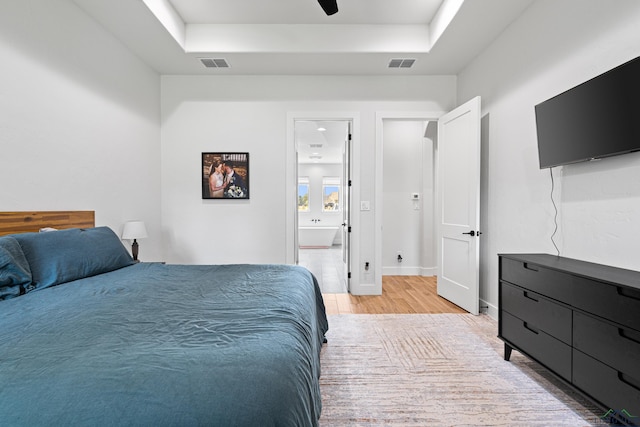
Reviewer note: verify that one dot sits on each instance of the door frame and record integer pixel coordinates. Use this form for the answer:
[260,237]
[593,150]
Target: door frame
[381,116]
[347,207]
[291,185]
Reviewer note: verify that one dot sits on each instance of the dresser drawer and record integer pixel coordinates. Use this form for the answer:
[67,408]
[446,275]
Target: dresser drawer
[552,353]
[540,312]
[617,303]
[551,283]
[615,346]
[612,389]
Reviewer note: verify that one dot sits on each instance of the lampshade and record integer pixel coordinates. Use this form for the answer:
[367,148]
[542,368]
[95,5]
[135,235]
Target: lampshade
[134,230]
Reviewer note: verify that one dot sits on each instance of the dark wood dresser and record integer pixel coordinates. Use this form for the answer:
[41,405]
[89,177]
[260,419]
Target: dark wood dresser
[580,320]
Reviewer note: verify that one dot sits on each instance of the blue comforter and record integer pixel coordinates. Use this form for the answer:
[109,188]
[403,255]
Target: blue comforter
[165,345]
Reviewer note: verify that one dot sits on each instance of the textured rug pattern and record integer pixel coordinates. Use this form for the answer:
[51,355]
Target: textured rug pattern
[437,370]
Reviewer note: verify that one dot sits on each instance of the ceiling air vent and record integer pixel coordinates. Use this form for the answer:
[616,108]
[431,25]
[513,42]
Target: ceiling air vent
[401,63]
[214,62]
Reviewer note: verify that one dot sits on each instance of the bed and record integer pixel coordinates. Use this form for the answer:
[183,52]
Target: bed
[90,337]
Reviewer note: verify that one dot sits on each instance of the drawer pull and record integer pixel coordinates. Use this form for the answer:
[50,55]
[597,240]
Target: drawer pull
[629,293]
[628,381]
[529,328]
[528,267]
[527,295]
[629,335]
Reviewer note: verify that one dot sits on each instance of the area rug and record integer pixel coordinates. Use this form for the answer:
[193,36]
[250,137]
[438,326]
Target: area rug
[437,370]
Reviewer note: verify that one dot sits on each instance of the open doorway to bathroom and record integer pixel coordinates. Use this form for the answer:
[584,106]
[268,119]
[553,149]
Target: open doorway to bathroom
[323,152]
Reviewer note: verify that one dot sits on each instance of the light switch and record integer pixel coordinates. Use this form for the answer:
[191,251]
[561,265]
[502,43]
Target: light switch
[365,205]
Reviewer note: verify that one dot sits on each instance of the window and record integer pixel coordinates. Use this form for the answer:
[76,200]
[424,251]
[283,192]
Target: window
[330,194]
[303,194]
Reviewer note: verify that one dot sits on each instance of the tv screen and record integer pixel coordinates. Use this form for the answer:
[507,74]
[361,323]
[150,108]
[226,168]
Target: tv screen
[598,118]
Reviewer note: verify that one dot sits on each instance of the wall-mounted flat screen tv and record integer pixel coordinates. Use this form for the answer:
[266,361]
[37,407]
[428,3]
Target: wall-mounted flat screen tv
[596,119]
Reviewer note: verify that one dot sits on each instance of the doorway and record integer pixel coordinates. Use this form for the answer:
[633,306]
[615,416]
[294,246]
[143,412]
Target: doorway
[323,171]
[419,199]
[457,214]
[408,191]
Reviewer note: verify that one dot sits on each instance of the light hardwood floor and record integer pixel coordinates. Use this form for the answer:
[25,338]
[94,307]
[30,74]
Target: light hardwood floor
[400,295]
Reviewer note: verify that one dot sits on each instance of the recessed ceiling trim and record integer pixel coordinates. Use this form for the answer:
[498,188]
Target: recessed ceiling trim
[303,38]
[169,18]
[312,38]
[404,12]
[443,18]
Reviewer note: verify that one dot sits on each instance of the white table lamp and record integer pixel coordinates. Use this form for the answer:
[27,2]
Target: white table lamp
[134,230]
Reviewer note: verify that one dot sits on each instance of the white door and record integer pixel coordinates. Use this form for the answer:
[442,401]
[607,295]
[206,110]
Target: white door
[459,205]
[346,208]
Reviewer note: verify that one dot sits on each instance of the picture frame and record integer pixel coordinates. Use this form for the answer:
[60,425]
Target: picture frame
[225,175]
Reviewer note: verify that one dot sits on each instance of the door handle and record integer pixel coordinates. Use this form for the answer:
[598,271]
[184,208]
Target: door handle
[471,233]
[530,328]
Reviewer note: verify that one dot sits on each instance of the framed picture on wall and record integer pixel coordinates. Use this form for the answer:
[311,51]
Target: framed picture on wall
[225,175]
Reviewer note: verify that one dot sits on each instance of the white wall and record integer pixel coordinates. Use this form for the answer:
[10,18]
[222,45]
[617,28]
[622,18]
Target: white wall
[407,225]
[79,119]
[249,113]
[554,46]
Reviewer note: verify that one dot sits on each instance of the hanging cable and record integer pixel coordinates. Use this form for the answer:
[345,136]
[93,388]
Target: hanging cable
[555,216]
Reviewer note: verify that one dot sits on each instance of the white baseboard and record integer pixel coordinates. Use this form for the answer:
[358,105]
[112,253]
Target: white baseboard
[491,311]
[409,271]
[429,271]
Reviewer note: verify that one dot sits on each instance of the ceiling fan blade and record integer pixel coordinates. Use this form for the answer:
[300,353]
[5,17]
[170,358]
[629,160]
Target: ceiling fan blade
[329,6]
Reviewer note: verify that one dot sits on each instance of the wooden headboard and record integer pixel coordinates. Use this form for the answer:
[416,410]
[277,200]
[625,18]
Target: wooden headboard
[24,222]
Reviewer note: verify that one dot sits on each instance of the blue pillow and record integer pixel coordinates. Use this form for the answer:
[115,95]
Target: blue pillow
[66,255]
[14,268]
